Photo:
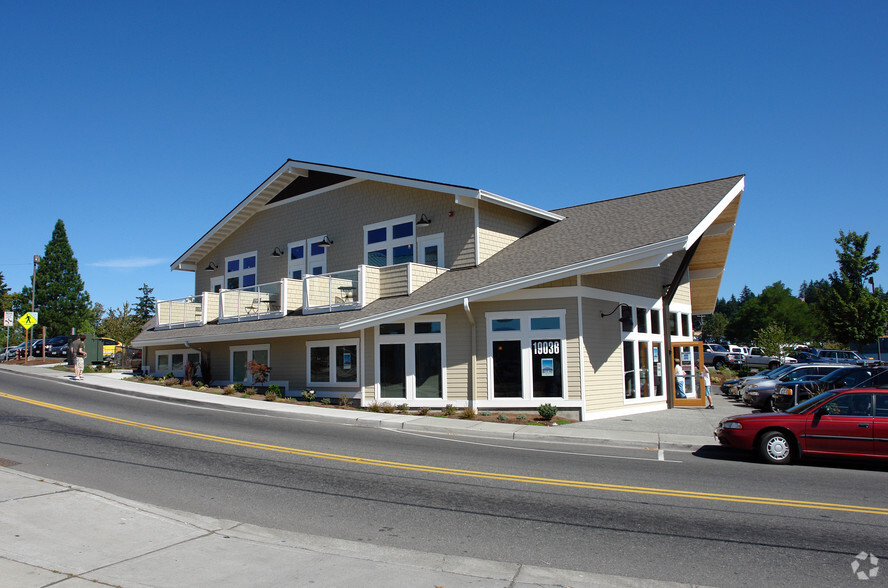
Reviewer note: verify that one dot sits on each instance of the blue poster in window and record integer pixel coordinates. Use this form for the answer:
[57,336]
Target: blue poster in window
[547,366]
[346,360]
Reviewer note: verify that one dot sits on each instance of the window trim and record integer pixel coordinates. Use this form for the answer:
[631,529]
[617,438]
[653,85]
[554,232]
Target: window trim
[526,335]
[649,339]
[390,243]
[410,339]
[240,273]
[249,348]
[426,240]
[331,345]
[185,351]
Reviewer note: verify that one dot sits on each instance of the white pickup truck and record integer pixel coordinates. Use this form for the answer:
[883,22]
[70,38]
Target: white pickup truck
[756,358]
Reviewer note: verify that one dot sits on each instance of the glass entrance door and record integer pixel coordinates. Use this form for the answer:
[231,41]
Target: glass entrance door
[688,365]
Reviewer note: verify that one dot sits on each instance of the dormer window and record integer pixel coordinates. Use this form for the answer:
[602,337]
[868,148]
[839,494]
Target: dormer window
[390,242]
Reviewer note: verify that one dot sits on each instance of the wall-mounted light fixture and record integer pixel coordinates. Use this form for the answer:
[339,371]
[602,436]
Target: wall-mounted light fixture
[423,221]
[625,315]
[212,267]
[278,252]
[326,242]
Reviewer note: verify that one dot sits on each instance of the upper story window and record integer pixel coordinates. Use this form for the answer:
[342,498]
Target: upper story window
[390,242]
[240,271]
[306,257]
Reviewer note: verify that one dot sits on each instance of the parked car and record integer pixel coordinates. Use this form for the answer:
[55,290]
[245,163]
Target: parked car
[839,422]
[738,350]
[11,351]
[738,385]
[109,348]
[718,356]
[788,394]
[59,349]
[758,358]
[840,356]
[37,348]
[758,393]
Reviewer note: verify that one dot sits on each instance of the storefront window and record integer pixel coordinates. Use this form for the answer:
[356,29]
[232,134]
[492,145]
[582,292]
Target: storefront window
[526,354]
[411,359]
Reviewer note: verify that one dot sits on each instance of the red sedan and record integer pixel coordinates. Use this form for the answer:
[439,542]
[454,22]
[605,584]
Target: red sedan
[848,423]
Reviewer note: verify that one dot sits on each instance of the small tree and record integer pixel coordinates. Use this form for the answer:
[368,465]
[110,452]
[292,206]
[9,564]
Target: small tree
[259,371]
[714,327]
[145,305]
[774,339]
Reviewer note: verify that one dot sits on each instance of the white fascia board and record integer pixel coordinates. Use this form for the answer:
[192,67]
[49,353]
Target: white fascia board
[288,167]
[221,337]
[650,251]
[485,196]
[709,219]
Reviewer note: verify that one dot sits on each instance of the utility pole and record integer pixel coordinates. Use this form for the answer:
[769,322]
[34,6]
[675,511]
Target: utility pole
[33,290]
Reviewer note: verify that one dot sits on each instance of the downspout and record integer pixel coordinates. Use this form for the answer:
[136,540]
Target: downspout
[667,333]
[470,393]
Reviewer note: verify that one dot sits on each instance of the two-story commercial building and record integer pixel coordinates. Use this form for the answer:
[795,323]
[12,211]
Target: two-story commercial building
[391,289]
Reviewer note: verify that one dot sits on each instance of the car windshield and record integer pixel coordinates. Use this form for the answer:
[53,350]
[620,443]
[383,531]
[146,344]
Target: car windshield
[878,380]
[804,406]
[837,375]
[777,372]
[718,349]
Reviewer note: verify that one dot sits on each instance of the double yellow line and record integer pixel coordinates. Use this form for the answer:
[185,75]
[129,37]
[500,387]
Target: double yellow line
[759,500]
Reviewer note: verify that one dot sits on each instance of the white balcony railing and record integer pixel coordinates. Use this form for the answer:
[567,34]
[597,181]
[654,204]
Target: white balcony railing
[332,292]
[179,313]
[254,302]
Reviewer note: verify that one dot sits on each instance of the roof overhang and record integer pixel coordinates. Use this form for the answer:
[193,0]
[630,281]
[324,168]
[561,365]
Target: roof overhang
[292,170]
[708,264]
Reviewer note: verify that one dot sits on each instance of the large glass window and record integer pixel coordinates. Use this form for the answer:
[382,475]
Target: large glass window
[240,271]
[306,257]
[411,359]
[642,364]
[390,242]
[526,354]
[333,362]
[174,361]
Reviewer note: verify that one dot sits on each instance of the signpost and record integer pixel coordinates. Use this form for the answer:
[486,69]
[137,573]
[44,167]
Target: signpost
[28,320]
[7,322]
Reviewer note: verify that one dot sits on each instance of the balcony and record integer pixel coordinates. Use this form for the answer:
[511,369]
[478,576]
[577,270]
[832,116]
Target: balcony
[264,301]
[337,291]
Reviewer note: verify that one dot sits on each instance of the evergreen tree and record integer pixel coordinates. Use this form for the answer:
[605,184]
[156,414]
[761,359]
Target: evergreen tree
[121,324]
[145,305]
[5,304]
[61,299]
[851,312]
[714,326]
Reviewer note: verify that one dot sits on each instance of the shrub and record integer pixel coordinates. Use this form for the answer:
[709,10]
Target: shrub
[270,396]
[198,384]
[259,371]
[251,391]
[171,381]
[424,410]
[374,407]
[229,390]
[388,408]
[325,401]
[521,417]
[308,395]
[239,387]
[187,382]
[547,411]
[343,399]
[168,375]
[468,413]
[486,413]
[403,408]
[449,410]
[276,390]
[501,417]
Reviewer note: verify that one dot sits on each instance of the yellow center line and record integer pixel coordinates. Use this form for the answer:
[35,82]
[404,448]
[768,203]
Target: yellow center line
[464,473]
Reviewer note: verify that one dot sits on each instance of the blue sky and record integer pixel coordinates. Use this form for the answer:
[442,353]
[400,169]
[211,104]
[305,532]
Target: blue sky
[142,124]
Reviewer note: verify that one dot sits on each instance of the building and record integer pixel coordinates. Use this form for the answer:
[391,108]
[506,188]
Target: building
[391,289]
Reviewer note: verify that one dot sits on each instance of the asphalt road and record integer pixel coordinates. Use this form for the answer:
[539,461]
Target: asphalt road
[709,517]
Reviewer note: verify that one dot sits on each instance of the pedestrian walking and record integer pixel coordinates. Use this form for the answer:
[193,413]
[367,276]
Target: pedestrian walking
[78,352]
[679,381]
[707,383]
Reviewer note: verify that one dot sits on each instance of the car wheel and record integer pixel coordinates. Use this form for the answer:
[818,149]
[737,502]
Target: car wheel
[719,363]
[775,447]
[773,365]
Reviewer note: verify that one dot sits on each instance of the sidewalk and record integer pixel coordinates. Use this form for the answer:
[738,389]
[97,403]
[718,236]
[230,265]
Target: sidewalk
[96,538]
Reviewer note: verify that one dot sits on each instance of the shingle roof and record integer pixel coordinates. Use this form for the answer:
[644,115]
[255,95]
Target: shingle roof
[605,230]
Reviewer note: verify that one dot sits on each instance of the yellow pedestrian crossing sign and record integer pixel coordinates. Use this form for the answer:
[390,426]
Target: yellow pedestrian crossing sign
[28,320]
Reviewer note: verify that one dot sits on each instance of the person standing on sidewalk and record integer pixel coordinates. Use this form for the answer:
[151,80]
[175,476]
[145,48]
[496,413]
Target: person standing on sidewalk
[707,383]
[78,352]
